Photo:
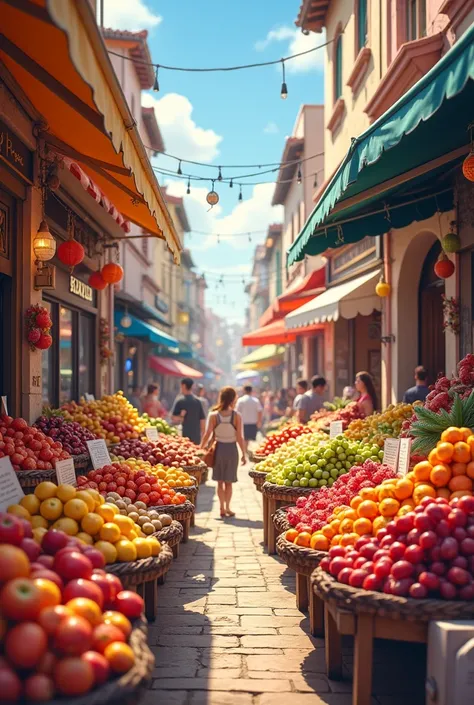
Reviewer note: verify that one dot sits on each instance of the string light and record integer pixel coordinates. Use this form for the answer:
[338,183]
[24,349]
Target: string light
[156,85]
[315,182]
[240,194]
[219,177]
[284,88]
[231,184]
[299,176]
[290,162]
[179,169]
[188,190]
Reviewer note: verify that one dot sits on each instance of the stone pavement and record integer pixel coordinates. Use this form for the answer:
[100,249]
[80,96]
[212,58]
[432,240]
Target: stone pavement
[228,633]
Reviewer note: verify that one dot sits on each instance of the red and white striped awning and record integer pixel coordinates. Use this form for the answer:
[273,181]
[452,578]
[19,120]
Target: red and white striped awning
[97,194]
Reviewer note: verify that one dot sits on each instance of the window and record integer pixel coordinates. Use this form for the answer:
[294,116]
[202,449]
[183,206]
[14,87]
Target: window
[361,24]
[416,19]
[65,355]
[338,69]
[86,354]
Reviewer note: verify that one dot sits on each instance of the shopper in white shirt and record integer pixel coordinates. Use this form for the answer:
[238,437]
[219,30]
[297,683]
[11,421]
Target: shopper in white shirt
[301,388]
[251,411]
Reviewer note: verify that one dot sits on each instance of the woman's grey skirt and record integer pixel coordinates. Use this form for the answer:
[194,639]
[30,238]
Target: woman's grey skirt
[226,463]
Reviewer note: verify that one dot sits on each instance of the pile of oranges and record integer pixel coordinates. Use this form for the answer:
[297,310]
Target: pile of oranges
[448,472]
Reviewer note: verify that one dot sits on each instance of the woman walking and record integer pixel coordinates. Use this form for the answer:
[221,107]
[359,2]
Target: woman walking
[224,425]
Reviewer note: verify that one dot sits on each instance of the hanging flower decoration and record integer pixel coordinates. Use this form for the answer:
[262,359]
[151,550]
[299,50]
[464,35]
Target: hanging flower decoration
[38,326]
[104,339]
[451,314]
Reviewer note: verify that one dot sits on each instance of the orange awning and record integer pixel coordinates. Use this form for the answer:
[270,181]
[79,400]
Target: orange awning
[297,295]
[175,368]
[54,51]
[273,333]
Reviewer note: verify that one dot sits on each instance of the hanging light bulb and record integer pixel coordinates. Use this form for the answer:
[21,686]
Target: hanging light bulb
[156,85]
[284,88]
[126,321]
[241,198]
[219,178]
[315,182]
[179,172]
[188,190]
[231,185]
[299,176]
[250,238]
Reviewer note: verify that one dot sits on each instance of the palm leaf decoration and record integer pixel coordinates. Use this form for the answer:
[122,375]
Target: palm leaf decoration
[429,425]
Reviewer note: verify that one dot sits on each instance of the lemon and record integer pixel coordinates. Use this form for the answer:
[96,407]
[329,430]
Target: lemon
[87,498]
[85,538]
[31,503]
[155,546]
[76,509]
[108,550]
[19,511]
[110,532]
[45,490]
[51,508]
[66,492]
[126,550]
[92,523]
[125,524]
[143,548]
[66,524]
[39,522]
[96,496]
[106,511]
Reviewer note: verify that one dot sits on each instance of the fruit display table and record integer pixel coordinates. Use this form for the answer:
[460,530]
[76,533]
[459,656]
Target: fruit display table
[143,575]
[191,494]
[258,478]
[274,497]
[367,615]
[180,512]
[196,471]
[172,535]
[254,458]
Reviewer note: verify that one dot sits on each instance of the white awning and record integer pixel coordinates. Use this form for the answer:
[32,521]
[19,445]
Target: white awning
[346,300]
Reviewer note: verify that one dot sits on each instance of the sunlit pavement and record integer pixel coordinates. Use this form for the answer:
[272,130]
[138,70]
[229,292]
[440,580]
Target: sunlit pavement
[228,633]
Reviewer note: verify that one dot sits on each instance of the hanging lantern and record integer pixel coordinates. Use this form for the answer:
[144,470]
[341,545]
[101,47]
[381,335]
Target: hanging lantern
[468,166]
[71,253]
[444,268]
[112,273]
[451,242]
[383,288]
[212,197]
[96,281]
[44,244]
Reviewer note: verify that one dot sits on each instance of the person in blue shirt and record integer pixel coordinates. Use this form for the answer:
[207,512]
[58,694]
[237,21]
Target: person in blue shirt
[421,390]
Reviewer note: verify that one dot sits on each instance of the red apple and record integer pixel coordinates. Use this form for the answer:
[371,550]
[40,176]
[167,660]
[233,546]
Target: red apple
[53,541]
[72,564]
[83,588]
[99,664]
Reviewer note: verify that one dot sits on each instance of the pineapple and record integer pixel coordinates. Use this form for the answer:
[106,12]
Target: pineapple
[429,425]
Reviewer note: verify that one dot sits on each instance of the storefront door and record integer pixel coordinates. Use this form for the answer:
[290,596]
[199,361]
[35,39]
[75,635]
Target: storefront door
[7,327]
[432,352]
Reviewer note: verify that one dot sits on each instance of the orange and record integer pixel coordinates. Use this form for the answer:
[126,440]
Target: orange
[126,550]
[423,490]
[19,510]
[328,531]
[92,523]
[440,475]
[87,609]
[349,514]
[452,435]
[340,509]
[469,471]
[51,509]
[110,532]
[38,533]
[409,502]
[433,457]
[403,489]
[76,509]
[460,482]
[362,526]
[445,451]
[404,510]
[303,539]
[85,538]
[379,523]
[31,503]
[38,521]
[355,501]
[470,443]
[125,524]
[319,542]
[458,468]
[69,526]
[108,550]
[443,492]
[466,432]
[87,498]
[389,507]
[368,509]
[461,493]
[346,526]
[120,657]
[410,475]
[349,539]
[144,548]
[336,540]
[368,493]
[385,491]
[45,490]
[462,452]
[291,534]
[66,492]
[335,524]
[106,511]
[422,471]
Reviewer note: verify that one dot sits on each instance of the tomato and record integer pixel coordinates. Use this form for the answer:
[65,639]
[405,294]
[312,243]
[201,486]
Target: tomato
[73,676]
[130,604]
[88,609]
[39,687]
[105,634]
[20,599]
[47,663]
[84,588]
[10,685]
[26,644]
[120,657]
[49,591]
[51,617]
[118,620]
[73,636]
[100,666]
[11,532]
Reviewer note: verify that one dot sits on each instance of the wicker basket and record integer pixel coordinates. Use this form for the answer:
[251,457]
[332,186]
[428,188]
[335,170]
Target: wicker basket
[358,601]
[196,471]
[82,463]
[179,512]
[135,573]
[299,558]
[258,478]
[129,688]
[171,534]
[254,458]
[189,492]
[28,479]
[285,494]
[280,520]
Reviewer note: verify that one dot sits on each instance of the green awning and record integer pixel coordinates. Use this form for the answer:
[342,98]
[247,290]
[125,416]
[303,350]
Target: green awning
[140,329]
[430,121]
[265,353]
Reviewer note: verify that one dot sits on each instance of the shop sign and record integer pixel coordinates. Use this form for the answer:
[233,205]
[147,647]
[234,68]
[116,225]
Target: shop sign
[151,433]
[99,453]
[15,153]
[404,456]
[335,429]
[391,449]
[10,489]
[161,305]
[354,258]
[84,291]
[65,472]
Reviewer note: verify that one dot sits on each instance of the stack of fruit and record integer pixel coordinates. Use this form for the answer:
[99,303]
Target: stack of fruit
[27,447]
[167,450]
[172,476]
[149,520]
[377,427]
[139,485]
[85,515]
[112,417]
[162,425]
[292,448]
[70,433]
[427,553]
[276,440]
[322,464]
[322,420]
[64,629]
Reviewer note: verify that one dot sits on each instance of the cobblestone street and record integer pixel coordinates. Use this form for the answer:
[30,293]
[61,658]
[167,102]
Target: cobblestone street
[227,631]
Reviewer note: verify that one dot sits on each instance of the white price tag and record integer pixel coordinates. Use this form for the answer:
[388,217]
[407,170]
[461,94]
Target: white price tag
[99,453]
[335,429]
[391,449]
[10,489]
[65,472]
[404,455]
[151,433]
[3,406]
[89,397]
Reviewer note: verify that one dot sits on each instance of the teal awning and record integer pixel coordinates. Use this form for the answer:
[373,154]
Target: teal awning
[428,122]
[140,329]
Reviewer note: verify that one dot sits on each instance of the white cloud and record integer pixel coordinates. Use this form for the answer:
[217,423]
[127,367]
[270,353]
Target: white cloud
[296,43]
[271,128]
[180,133]
[134,16]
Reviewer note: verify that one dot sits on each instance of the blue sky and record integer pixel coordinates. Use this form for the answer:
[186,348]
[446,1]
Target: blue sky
[224,118]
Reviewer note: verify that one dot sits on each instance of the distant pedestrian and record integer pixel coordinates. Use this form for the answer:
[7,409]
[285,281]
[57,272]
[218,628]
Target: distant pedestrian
[301,388]
[224,425]
[421,390]
[312,400]
[367,401]
[203,399]
[251,412]
[188,411]
[151,403]
[135,398]
[281,404]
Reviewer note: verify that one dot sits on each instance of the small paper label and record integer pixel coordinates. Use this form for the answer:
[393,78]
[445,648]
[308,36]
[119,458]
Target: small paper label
[335,429]
[10,489]
[99,453]
[391,449]
[152,433]
[65,472]
[89,397]
[3,406]
[404,455]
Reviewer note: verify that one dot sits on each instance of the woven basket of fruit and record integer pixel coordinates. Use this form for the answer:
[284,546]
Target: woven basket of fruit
[82,463]
[171,534]
[254,458]
[28,479]
[136,572]
[393,606]
[179,512]
[301,559]
[196,471]
[280,520]
[189,492]
[258,478]
[285,494]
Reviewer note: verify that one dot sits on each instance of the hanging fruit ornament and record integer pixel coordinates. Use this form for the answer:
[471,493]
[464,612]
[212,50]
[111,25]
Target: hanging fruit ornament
[468,166]
[382,289]
[444,268]
[45,341]
[451,242]
[38,326]
[112,273]
[96,281]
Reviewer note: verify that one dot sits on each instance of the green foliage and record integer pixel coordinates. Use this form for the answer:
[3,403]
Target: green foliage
[429,425]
